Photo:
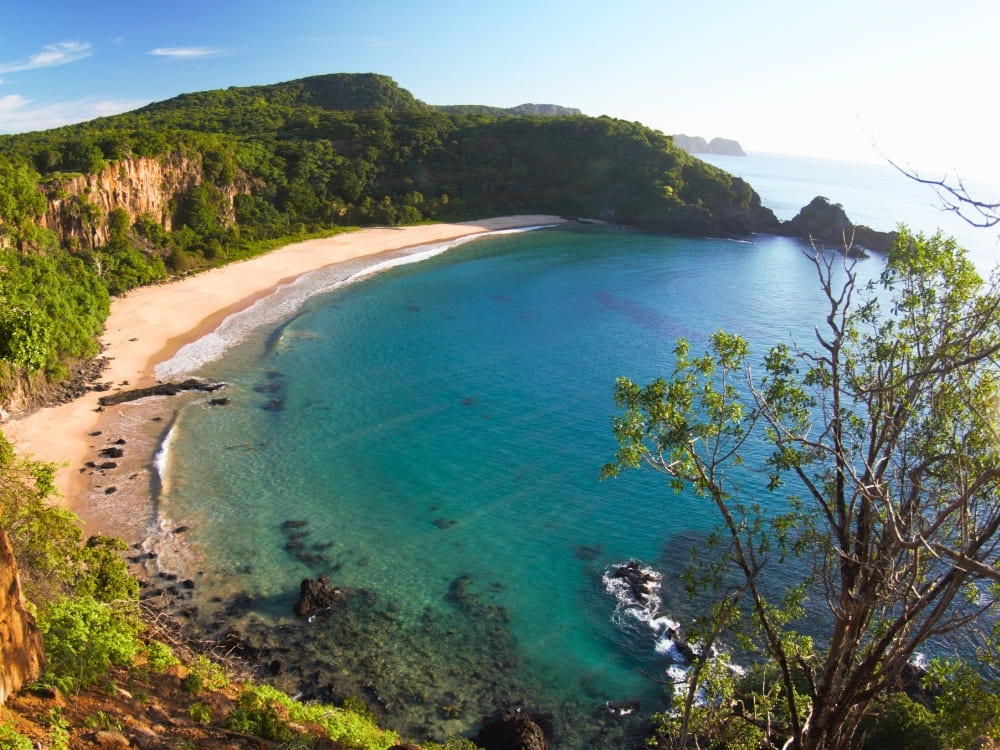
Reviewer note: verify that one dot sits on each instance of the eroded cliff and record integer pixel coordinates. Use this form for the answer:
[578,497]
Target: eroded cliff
[21,656]
[78,208]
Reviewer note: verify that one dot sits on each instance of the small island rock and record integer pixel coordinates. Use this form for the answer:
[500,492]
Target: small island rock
[315,594]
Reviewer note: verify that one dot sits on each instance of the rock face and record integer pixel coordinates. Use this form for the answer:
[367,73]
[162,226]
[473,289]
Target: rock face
[21,656]
[641,581]
[160,389]
[79,208]
[827,223]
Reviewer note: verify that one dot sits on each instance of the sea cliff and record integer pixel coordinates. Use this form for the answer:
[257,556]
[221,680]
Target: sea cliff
[78,207]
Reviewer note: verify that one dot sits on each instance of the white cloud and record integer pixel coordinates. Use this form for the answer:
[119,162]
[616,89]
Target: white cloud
[21,115]
[50,55]
[184,53]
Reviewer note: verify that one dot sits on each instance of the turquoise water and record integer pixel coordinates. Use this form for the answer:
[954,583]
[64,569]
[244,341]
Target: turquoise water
[434,434]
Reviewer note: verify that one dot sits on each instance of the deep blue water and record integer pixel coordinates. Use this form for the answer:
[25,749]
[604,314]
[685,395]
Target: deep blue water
[435,435]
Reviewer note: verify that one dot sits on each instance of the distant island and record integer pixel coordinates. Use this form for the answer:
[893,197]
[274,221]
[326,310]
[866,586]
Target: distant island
[695,144]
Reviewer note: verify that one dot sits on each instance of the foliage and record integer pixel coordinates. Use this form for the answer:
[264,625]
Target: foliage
[58,729]
[159,656]
[452,743]
[84,637]
[103,720]
[903,724]
[302,159]
[20,206]
[967,705]
[24,338]
[47,540]
[11,739]
[265,711]
[259,712]
[205,674]
[889,432]
[200,712]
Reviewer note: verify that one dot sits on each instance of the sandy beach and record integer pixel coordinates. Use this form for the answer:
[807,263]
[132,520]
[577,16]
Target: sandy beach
[148,325]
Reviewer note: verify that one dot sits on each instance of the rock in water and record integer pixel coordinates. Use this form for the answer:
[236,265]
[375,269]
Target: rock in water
[315,594]
[643,583]
[511,729]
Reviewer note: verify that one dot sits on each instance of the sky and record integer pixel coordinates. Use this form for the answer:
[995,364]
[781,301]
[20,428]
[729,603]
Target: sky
[861,80]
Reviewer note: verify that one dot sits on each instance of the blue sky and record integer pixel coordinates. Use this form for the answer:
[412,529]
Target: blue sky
[831,79]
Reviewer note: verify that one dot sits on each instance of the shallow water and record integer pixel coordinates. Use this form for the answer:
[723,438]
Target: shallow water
[434,435]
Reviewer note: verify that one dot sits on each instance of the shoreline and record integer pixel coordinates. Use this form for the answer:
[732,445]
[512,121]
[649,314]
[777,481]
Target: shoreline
[149,325]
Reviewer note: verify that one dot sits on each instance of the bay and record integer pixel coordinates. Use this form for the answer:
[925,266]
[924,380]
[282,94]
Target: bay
[431,438]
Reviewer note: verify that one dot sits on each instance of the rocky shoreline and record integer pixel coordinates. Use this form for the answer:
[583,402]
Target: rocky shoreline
[331,643]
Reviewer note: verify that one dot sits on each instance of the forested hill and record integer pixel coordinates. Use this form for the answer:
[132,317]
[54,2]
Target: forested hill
[208,177]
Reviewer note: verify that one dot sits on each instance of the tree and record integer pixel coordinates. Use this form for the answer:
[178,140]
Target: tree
[889,433]
[21,205]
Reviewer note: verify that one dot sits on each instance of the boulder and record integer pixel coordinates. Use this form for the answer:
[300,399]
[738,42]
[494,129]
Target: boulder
[21,656]
[511,729]
[315,594]
[643,583]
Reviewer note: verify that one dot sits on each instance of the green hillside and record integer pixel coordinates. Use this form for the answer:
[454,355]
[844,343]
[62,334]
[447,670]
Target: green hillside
[267,164]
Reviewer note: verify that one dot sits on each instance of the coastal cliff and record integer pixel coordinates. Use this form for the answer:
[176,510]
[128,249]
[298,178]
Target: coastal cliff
[78,208]
[21,657]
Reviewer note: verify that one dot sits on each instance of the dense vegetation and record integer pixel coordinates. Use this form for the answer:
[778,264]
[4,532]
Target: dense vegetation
[305,158]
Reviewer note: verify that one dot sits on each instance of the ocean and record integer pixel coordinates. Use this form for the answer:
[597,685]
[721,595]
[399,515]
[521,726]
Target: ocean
[430,439]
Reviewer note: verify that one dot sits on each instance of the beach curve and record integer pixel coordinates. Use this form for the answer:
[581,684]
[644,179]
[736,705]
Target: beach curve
[150,324]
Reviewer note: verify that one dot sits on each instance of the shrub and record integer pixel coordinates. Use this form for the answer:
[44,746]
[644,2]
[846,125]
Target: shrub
[903,724]
[84,637]
[257,713]
[206,674]
[191,683]
[159,656]
[200,712]
[11,739]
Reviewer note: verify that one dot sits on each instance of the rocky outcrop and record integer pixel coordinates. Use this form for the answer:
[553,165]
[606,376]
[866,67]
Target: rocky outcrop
[698,145]
[827,223]
[21,656]
[511,729]
[78,208]
[642,582]
[160,389]
[315,594]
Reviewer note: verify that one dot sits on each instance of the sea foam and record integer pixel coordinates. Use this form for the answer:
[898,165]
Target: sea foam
[162,455]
